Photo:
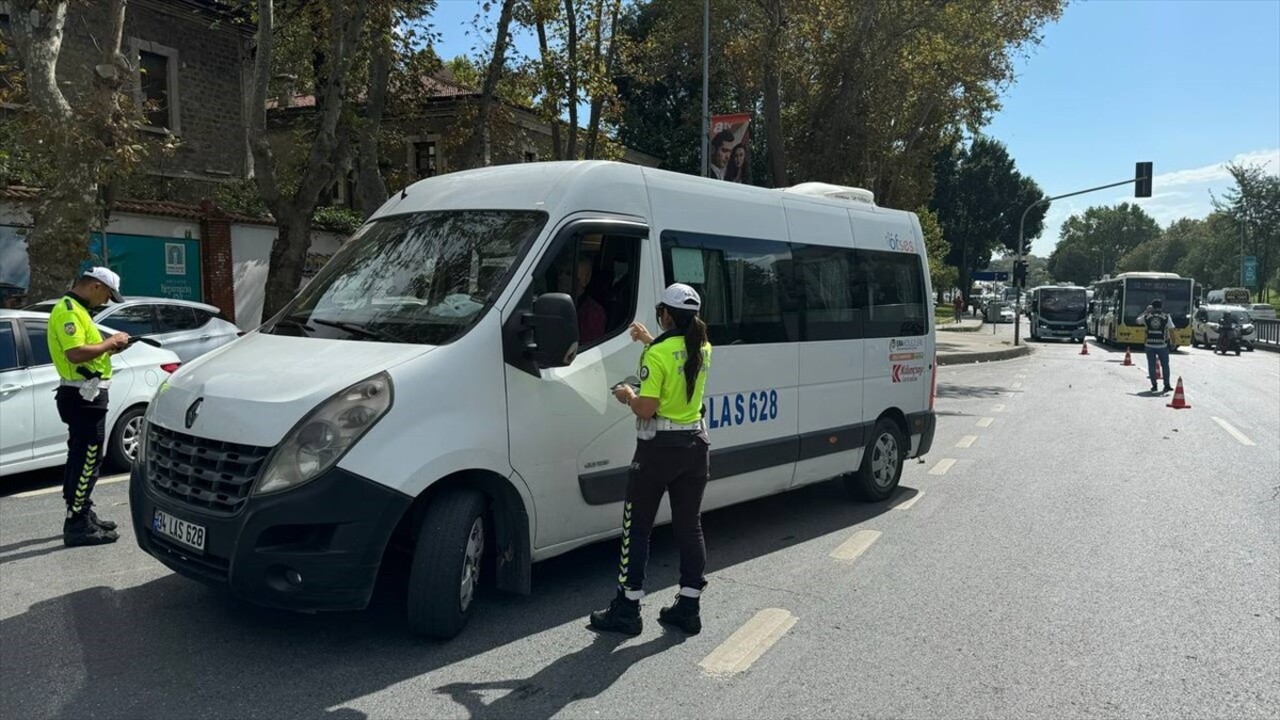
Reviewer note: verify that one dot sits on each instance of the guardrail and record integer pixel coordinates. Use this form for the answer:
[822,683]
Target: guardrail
[1266,331]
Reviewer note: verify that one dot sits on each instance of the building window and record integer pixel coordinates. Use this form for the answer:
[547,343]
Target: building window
[157,87]
[426,161]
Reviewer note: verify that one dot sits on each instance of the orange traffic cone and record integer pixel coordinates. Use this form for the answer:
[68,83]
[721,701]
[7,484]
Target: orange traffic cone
[1159,374]
[1128,359]
[1084,347]
[1179,400]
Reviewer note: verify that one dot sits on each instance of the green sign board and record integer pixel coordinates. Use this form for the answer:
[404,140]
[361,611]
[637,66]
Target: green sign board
[152,266]
[1249,272]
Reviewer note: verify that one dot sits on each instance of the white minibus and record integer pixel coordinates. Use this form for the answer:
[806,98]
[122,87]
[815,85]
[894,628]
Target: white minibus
[440,391]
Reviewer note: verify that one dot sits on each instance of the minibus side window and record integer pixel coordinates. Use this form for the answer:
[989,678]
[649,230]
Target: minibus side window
[601,273]
[834,301]
[895,291]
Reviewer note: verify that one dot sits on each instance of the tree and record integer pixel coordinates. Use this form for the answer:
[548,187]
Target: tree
[979,197]
[497,62]
[1096,240]
[82,145]
[941,275]
[1254,205]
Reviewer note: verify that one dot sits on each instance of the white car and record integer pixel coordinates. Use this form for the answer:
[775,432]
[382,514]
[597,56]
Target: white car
[1262,311]
[1204,325]
[188,329]
[32,435]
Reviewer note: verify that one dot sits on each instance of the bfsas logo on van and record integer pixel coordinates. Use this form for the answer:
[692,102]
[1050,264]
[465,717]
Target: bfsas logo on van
[907,373]
[898,243]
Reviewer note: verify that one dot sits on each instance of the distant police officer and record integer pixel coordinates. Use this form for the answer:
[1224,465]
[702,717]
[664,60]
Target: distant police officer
[672,455]
[1159,325]
[83,360]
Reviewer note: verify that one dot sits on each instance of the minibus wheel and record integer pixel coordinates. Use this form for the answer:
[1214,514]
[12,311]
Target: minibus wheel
[448,557]
[882,464]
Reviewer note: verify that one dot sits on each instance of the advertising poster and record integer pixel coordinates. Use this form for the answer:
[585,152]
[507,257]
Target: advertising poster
[729,154]
[152,266]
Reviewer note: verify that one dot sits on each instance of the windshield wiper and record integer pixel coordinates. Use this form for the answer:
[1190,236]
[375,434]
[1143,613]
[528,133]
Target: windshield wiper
[361,330]
[293,322]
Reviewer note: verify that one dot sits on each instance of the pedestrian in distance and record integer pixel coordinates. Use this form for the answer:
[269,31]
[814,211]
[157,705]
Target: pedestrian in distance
[672,456]
[1159,327]
[82,358]
[959,305]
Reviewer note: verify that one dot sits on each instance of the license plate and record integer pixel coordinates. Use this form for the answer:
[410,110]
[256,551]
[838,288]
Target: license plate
[180,531]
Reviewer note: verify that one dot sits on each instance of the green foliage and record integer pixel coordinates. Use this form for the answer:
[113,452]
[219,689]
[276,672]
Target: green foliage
[942,276]
[1092,244]
[241,197]
[337,219]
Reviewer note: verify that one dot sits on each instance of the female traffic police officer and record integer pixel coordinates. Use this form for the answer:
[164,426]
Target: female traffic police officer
[672,455]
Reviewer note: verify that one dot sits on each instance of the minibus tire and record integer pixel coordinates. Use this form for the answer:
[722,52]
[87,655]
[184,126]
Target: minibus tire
[862,484]
[439,556]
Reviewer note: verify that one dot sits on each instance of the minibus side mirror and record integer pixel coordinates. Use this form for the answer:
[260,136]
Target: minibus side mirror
[554,322]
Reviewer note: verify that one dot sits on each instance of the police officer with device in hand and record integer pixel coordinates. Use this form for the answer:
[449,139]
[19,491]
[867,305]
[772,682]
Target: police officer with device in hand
[83,360]
[1159,325]
[672,455]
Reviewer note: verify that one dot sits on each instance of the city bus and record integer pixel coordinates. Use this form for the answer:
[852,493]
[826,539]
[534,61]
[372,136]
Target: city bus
[1118,301]
[1057,311]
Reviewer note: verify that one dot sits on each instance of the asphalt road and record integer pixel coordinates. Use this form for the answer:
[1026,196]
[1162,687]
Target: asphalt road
[1070,548]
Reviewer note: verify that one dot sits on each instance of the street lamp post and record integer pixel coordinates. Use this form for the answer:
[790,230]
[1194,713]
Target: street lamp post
[706,65]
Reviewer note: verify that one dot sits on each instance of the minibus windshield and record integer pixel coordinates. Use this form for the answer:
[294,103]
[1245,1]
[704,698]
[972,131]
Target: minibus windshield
[423,278]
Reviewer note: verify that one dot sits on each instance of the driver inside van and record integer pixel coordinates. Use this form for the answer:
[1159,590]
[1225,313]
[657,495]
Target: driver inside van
[591,314]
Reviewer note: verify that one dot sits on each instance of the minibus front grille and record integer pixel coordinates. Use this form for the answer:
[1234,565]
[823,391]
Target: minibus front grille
[209,475]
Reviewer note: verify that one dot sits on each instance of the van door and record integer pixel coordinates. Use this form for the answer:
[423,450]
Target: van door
[571,442]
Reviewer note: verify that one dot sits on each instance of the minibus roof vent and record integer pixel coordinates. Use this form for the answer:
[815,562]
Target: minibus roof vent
[839,192]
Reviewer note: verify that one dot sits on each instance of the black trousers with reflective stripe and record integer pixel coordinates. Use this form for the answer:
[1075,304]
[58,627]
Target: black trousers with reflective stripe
[86,445]
[675,463]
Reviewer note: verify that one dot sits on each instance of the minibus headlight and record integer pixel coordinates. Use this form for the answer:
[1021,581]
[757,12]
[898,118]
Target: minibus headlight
[326,434]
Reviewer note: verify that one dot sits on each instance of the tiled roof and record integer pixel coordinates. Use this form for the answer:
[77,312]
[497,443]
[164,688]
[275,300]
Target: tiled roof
[157,208]
[434,87]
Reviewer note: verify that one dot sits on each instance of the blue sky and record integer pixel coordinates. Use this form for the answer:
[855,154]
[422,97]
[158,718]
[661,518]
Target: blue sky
[1186,84]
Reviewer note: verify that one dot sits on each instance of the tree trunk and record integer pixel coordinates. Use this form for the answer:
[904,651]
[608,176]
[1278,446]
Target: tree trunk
[552,81]
[571,47]
[475,144]
[773,95]
[371,189]
[597,99]
[288,257]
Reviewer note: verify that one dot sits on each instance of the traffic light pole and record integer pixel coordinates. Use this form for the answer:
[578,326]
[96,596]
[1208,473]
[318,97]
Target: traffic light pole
[1022,226]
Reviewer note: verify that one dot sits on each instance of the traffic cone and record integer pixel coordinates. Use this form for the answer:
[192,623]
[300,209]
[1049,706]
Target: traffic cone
[1179,400]
[1084,347]
[1128,359]
[1159,373]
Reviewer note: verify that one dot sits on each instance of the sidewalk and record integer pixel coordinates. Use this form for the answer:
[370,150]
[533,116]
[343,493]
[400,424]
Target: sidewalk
[973,341]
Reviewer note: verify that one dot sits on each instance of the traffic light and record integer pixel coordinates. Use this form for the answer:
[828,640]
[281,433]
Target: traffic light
[1020,273]
[1142,180]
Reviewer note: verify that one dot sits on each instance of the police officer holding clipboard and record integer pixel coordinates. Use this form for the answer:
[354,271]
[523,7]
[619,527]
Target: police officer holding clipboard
[83,360]
[672,456]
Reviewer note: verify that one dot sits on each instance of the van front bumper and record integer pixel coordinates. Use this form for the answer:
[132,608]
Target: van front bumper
[316,547]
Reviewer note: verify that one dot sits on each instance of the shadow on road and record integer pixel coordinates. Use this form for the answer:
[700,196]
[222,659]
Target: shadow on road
[174,648]
[30,553]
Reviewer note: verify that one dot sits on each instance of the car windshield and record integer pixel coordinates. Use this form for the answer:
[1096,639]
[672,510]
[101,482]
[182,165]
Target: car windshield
[1239,314]
[1175,294]
[1063,305]
[424,278]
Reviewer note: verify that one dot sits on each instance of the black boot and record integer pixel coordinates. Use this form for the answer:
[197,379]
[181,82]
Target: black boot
[93,518]
[78,530]
[623,616]
[683,614]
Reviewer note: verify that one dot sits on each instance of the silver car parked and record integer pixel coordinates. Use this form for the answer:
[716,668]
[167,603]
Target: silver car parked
[189,329]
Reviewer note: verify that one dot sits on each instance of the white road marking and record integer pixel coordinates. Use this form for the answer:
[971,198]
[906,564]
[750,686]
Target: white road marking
[942,467]
[749,642]
[986,421]
[857,544]
[997,408]
[906,505]
[1017,385]
[1244,439]
[966,441]
[58,489]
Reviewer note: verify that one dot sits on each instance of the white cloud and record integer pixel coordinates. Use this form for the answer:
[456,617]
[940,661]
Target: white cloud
[1217,172]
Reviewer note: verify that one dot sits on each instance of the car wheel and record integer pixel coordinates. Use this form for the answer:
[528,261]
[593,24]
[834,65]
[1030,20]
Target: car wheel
[882,464]
[122,446]
[447,562]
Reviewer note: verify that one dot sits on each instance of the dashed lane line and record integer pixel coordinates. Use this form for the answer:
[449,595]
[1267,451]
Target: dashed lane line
[986,421]
[1241,437]
[906,504]
[857,544]
[749,642]
[942,467]
[58,489]
[966,441]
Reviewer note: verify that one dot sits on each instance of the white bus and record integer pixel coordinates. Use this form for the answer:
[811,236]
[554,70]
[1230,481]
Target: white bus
[1057,311]
[442,387]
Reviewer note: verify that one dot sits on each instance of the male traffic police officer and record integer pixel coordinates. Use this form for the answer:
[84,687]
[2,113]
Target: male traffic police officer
[83,360]
[1158,325]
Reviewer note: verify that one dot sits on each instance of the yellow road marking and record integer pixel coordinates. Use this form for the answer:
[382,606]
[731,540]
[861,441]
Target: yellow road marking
[942,467]
[749,642]
[966,441]
[986,421]
[857,544]
[58,489]
[1241,437]
[906,505]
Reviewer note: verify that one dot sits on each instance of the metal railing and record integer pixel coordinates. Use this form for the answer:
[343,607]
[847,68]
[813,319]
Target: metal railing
[1266,331]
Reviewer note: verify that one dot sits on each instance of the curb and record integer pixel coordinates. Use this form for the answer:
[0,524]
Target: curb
[990,356]
[952,328]
[1267,346]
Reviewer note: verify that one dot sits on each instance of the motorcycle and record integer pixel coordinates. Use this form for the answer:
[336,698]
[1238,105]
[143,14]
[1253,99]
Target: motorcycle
[1228,339]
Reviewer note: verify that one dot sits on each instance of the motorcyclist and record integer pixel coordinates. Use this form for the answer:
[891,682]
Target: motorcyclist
[1227,330]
